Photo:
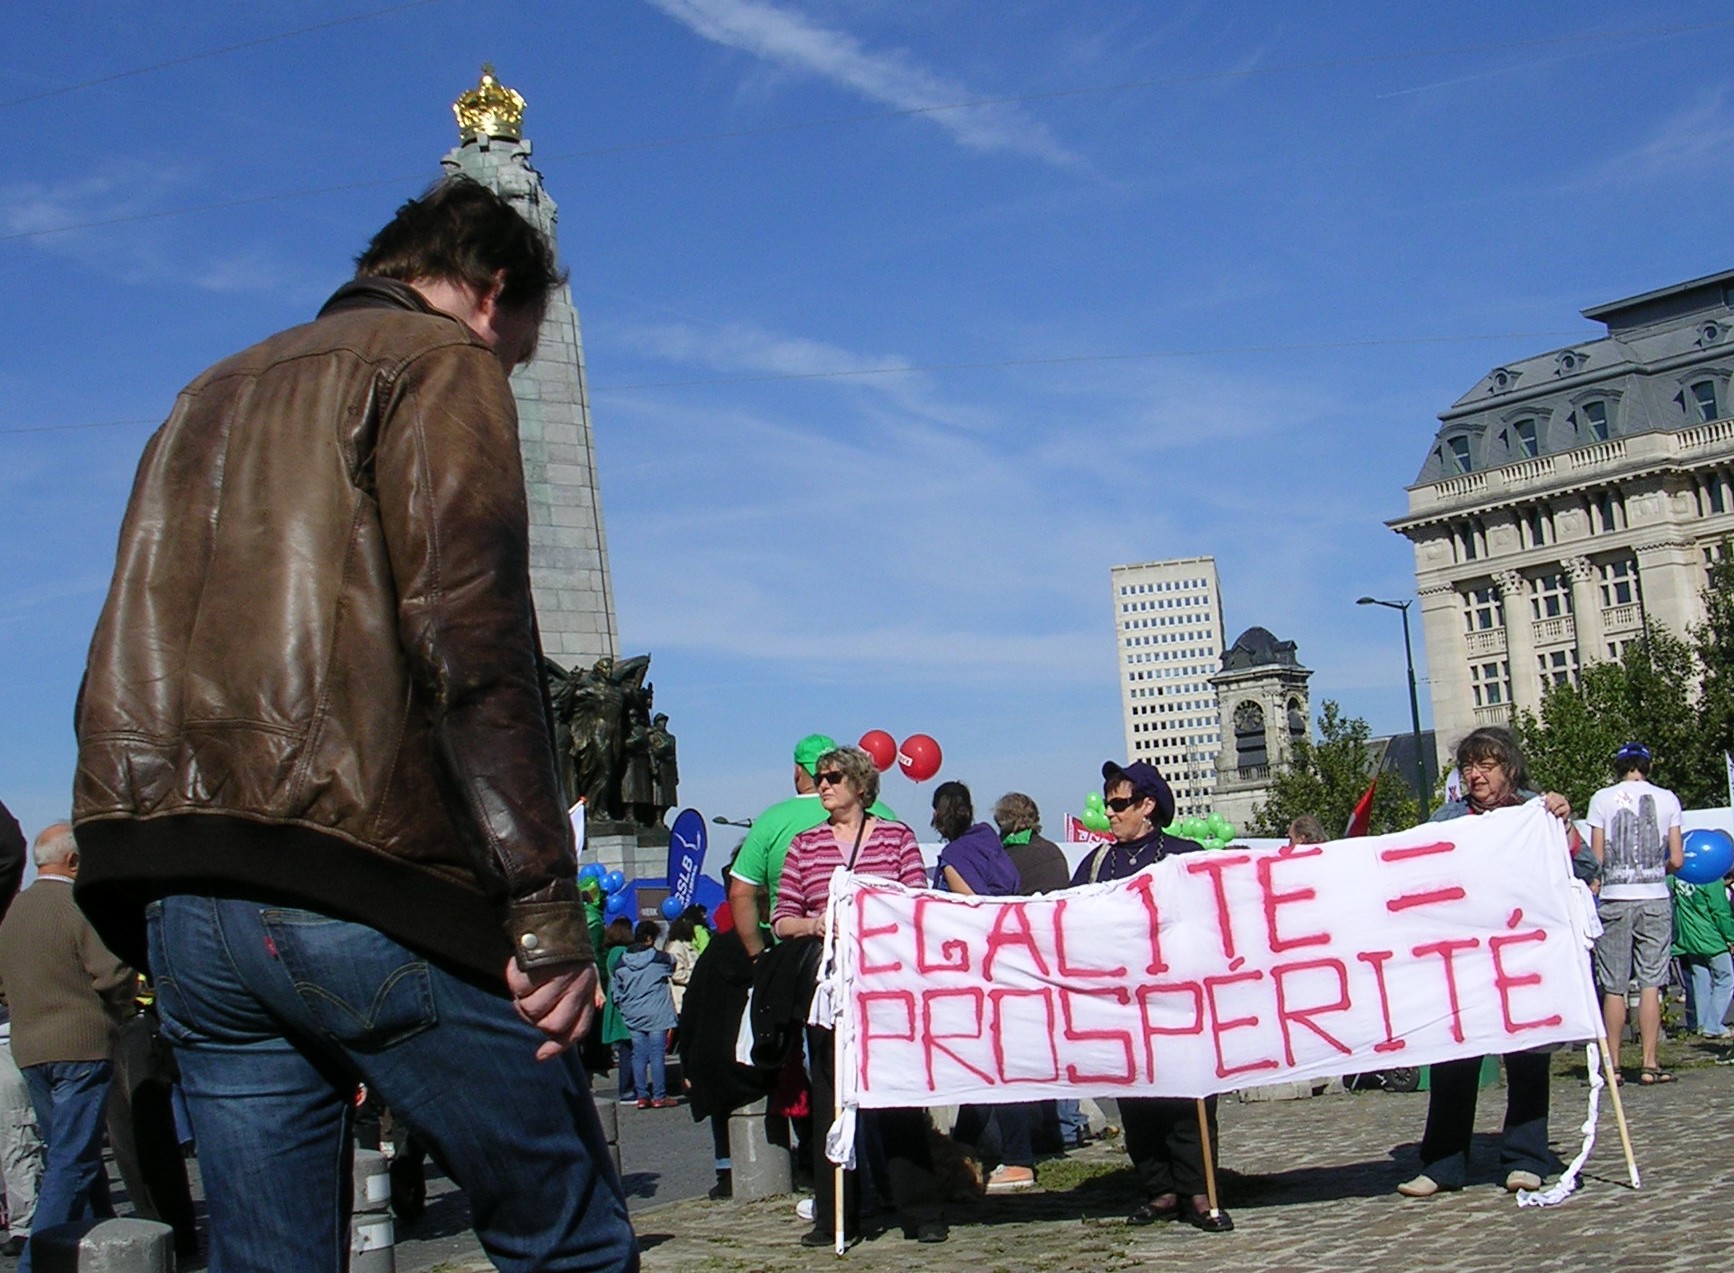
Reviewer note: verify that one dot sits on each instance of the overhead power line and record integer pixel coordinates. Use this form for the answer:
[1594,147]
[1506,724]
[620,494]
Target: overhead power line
[211,53]
[994,365]
[693,139]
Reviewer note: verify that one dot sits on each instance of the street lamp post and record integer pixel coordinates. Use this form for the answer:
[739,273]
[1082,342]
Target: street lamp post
[1421,792]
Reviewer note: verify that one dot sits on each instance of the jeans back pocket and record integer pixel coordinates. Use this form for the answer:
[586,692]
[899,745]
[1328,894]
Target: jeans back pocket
[362,988]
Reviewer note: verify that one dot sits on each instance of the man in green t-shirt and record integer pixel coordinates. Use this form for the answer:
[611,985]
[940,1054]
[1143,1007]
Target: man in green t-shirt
[758,866]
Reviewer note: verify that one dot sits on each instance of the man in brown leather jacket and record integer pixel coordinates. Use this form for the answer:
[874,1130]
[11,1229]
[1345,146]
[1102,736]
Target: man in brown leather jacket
[316,785]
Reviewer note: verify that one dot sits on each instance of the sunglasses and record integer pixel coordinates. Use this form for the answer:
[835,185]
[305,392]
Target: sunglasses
[833,777]
[1119,804]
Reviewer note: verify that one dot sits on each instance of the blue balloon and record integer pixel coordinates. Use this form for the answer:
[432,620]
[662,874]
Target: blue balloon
[617,907]
[613,882]
[671,908]
[591,871]
[1709,856]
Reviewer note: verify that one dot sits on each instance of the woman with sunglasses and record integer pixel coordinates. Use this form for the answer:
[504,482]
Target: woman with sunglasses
[853,838]
[1494,777]
[1161,1131]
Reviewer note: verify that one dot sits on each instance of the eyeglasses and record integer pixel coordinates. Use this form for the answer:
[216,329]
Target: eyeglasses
[833,777]
[1486,766]
[1119,804]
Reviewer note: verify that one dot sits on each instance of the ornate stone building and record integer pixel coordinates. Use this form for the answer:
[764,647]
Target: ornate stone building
[568,550]
[1262,708]
[1572,499]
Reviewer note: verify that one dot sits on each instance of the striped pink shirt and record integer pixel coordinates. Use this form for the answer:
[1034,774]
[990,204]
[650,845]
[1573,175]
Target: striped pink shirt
[888,849]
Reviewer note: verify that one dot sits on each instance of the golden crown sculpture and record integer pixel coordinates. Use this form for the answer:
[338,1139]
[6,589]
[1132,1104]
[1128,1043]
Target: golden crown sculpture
[490,109]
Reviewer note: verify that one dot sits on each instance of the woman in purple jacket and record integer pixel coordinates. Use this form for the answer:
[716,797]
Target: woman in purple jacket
[974,861]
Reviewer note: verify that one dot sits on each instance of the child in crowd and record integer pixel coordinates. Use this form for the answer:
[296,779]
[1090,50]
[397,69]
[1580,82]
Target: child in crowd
[640,987]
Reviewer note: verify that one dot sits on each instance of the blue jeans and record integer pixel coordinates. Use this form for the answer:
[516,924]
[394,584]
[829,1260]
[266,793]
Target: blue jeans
[71,1101]
[623,1051]
[276,1013]
[1709,990]
[650,1064]
[1074,1127]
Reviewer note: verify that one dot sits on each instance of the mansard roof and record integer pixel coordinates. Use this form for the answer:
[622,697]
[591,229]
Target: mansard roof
[1256,647]
[1659,344]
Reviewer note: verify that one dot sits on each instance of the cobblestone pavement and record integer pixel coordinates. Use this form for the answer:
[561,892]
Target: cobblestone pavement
[1317,1194]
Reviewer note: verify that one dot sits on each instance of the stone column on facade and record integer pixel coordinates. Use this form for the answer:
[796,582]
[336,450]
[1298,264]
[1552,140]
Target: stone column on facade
[1447,666]
[1519,640]
[1586,607]
[1671,582]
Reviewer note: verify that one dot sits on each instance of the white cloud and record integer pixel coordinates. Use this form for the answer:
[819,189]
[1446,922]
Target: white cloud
[136,253]
[856,521]
[793,41]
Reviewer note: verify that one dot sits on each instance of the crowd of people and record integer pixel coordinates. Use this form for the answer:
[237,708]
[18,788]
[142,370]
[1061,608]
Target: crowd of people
[317,798]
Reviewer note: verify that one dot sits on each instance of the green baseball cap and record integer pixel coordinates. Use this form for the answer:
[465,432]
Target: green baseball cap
[810,748]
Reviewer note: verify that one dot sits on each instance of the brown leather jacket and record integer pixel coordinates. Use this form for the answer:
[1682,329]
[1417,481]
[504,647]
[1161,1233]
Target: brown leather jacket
[316,680]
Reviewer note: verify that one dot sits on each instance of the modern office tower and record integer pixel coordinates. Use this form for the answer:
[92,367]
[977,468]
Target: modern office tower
[1572,501]
[1168,618]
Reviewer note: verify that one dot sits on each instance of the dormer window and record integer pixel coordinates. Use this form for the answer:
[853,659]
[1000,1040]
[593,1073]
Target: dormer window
[1592,421]
[1503,379]
[1524,441]
[1703,402]
[1571,361]
[1457,454]
[1710,333]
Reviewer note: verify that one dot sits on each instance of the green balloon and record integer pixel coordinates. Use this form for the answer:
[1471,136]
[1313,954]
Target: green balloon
[1093,803]
[1095,820]
[1229,831]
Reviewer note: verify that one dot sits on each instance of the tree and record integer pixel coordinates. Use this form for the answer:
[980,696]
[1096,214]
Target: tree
[1676,697]
[1712,733]
[1643,696]
[1329,777]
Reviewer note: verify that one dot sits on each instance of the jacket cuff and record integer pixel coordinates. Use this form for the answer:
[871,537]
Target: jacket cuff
[547,933]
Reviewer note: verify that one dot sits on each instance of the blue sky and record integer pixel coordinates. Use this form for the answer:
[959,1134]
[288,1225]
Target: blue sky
[1184,278]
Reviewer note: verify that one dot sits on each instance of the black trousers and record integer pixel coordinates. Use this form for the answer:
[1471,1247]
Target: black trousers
[915,1189]
[1452,1089]
[141,1128]
[1162,1141]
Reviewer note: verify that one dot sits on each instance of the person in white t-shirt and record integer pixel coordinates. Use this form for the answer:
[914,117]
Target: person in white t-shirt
[1635,835]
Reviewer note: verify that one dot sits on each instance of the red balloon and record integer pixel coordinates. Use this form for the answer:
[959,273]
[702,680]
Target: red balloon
[881,746]
[919,757]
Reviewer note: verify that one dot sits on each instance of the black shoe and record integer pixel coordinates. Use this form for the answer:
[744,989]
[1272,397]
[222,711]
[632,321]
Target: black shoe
[824,1239]
[14,1245]
[1202,1219]
[724,1186]
[1164,1207]
[930,1231]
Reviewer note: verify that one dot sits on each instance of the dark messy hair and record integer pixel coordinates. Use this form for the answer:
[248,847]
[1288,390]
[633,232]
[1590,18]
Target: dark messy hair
[459,231]
[646,931]
[618,932]
[953,810]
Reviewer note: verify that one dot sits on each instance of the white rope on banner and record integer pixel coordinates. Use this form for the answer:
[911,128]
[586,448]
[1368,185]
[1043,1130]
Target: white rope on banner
[1566,1185]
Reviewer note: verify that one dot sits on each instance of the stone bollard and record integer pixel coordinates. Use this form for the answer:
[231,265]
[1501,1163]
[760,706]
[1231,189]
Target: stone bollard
[104,1246]
[760,1169]
[372,1235]
[608,1114]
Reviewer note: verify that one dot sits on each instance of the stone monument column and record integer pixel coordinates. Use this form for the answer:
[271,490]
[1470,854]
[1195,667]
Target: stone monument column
[568,552]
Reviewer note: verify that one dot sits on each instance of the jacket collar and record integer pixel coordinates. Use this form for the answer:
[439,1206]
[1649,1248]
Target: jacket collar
[377,293]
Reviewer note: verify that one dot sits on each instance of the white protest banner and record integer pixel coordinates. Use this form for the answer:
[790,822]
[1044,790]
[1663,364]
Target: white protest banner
[1216,970]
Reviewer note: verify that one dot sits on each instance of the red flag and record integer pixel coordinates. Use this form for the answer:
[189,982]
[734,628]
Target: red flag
[1362,817]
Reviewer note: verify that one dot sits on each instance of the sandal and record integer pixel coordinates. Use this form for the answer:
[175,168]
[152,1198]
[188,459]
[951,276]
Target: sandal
[1651,1075]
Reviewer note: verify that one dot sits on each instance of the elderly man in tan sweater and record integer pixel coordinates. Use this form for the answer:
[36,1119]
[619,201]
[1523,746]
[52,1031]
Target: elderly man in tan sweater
[67,993]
